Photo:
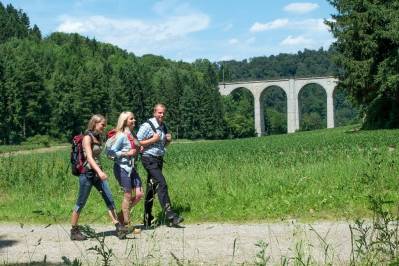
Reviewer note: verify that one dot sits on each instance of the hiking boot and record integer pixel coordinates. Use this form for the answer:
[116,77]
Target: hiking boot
[121,219]
[76,235]
[176,220]
[148,220]
[173,218]
[121,231]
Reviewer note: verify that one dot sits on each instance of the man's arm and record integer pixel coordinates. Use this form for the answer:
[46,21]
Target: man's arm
[146,136]
[155,137]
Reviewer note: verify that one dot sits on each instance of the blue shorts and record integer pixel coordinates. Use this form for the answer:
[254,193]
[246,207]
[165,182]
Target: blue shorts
[125,181]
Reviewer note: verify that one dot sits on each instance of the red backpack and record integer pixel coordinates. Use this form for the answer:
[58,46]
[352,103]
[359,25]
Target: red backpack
[111,138]
[78,159]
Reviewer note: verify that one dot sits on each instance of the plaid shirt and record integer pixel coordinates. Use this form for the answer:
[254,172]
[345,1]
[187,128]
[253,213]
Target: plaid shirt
[146,132]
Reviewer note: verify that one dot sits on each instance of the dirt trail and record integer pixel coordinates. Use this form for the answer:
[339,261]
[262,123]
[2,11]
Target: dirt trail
[206,244]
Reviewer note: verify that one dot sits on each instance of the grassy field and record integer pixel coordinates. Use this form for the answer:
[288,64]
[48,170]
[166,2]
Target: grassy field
[325,174]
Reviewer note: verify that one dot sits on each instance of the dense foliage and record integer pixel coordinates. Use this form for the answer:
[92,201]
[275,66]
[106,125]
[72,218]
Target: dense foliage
[52,85]
[367,45]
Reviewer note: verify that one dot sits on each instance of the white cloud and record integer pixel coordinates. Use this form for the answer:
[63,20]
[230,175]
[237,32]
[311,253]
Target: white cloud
[275,24]
[295,41]
[134,34]
[226,58]
[233,41]
[311,24]
[172,7]
[306,24]
[300,8]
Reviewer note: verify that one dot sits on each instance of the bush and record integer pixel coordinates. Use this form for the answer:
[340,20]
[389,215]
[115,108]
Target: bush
[42,140]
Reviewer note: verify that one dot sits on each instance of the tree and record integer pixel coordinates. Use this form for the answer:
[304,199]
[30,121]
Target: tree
[367,50]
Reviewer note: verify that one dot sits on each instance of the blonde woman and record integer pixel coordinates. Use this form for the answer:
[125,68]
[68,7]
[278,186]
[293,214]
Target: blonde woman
[94,176]
[125,151]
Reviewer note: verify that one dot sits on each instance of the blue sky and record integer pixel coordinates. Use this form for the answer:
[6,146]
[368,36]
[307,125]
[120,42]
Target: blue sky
[191,29]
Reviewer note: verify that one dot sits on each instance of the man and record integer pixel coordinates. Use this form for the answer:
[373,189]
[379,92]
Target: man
[154,137]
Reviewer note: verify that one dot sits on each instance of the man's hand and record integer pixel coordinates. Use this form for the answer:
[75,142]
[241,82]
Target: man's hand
[156,137]
[168,137]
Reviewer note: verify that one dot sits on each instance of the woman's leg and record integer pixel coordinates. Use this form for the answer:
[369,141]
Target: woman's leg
[103,187]
[85,186]
[126,206]
[138,196]
[137,187]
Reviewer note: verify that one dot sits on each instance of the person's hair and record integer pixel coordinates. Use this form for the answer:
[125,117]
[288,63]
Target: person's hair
[159,105]
[122,121]
[97,118]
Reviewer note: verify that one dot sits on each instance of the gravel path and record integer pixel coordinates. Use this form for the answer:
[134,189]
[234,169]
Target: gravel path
[205,244]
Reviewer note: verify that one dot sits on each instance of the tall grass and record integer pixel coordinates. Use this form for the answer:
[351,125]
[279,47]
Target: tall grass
[309,175]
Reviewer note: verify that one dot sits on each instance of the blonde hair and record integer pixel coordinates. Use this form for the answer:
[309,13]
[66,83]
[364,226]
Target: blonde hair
[97,118]
[159,105]
[122,121]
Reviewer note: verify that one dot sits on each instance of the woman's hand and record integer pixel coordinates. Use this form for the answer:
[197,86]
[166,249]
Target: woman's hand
[102,175]
[131,152]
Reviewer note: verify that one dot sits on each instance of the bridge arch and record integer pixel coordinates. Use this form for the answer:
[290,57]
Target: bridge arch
[275,112]
[313,114]
[292,88]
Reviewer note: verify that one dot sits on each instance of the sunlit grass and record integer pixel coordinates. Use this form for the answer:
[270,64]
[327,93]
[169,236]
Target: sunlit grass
[308,175]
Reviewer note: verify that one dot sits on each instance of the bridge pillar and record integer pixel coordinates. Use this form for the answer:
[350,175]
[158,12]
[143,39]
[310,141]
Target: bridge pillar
[330,107]
[259,115]
[292,108]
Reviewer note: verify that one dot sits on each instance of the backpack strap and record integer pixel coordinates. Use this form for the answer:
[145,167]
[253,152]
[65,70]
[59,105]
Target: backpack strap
[152,126]
[163,127]
[90,134]
[165,130]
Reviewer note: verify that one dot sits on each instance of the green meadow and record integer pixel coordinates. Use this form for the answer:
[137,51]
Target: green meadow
[318,175]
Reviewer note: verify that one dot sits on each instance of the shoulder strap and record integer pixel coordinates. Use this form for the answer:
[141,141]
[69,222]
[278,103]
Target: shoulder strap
[90,134]
[134,135]
[165,130]
[152,125]
[163,127]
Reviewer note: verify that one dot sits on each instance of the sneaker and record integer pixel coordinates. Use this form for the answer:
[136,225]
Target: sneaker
[121,231]
[133,229]
[76,235]
[136,231]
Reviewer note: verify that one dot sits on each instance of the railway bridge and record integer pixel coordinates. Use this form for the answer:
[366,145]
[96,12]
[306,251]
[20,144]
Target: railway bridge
[292,88]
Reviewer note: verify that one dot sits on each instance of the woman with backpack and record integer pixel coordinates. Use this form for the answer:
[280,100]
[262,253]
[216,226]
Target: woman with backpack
[124,151]
[93,175]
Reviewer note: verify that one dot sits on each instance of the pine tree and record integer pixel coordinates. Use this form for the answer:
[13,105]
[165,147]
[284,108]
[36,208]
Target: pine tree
[367,49]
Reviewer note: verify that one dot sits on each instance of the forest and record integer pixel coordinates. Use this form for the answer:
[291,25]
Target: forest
[50,86]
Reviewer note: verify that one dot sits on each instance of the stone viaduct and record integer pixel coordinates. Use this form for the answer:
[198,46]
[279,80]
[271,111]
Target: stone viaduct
[292,88]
